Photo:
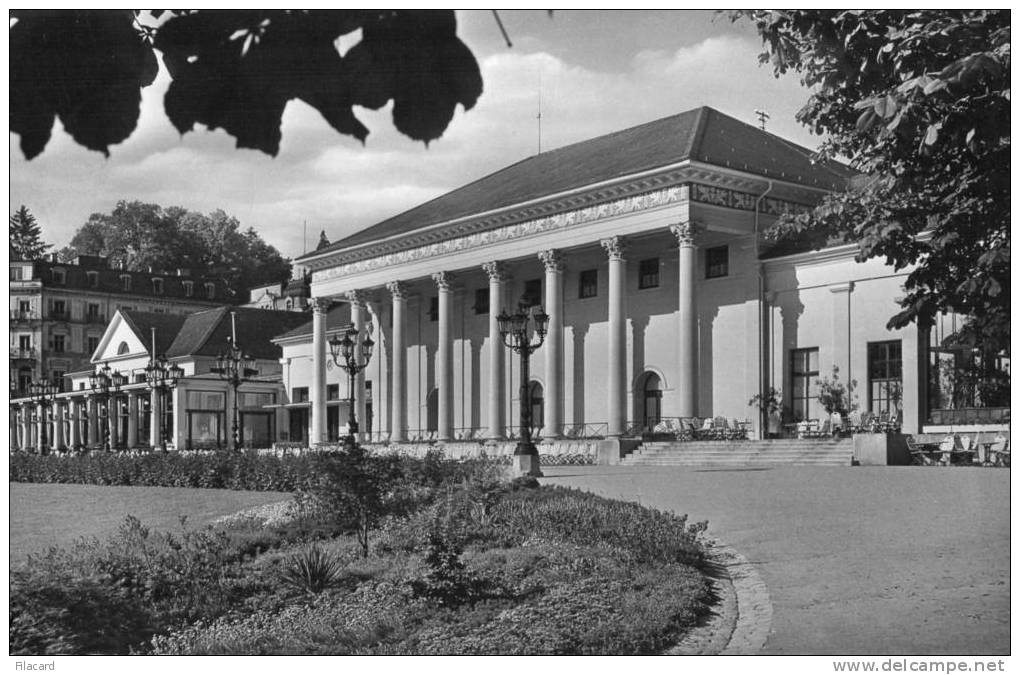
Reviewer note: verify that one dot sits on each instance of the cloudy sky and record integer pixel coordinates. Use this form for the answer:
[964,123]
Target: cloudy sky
[598,72]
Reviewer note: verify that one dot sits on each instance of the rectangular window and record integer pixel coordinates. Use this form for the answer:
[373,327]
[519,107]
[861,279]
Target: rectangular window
[648,273]
[125,282]
[189,288]
[59,343]
[299,395]
[157,286]
[59,310]
[717,262]
[885,376]
[24,306]
[434,308]
[92,313]
[532,292]
[482,301]
[210,290]
[93,278]
[588,284]
[255,399]
[92,342]
[59,277]
[206,400]
[58,379]
[332,392]
[16,273]
[804,381]
[24,342]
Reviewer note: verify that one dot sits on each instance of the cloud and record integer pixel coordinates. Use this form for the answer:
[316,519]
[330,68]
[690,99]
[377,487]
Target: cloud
[335,183]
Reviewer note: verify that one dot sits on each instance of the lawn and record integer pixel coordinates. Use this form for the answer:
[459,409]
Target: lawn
[44,515]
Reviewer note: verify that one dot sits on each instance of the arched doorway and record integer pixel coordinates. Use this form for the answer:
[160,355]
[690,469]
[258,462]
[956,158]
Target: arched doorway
[651,400]
[535,395]
[432,411]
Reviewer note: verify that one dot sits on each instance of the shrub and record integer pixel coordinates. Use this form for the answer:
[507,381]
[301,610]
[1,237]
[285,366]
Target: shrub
[312,571]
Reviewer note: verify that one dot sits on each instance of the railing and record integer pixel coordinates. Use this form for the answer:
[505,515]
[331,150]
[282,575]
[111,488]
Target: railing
[19,353]
[962,416]
[690,429]
[95,318]
[20,315]
[60,316]
[591,430]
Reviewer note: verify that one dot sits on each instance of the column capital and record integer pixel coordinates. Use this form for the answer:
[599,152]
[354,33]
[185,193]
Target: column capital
[553,259]
[444,280]
[356,297]
[496,270]
[685,232]
[398,289]
[616,247]
[320,304]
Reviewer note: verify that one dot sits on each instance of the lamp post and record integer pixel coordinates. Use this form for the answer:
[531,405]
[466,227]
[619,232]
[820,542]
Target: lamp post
[345,354]
[162,376]
[235,367]
[106,382]
[42,394]
[514,329]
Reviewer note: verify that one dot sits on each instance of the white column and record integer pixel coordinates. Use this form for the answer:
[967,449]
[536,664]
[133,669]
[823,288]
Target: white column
[74,417]
[58,425]
[41,424]
[497,373]
[26,428]
[318,391]
[155,419]
[113,420]
[398,370]
[687,320]
[132,422]
[358,311]
[444,354]
[553,412]
[93,422]
[841,339]
[616,394]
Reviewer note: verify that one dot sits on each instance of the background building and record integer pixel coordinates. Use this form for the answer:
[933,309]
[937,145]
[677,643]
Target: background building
[59,311]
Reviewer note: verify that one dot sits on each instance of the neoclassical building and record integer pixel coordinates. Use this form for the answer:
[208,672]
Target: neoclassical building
[644,247]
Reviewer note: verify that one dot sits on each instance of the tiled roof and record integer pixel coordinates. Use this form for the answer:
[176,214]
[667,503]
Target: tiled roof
[167,327]
[109,280]
[205,333]
[702,134]
[337,316]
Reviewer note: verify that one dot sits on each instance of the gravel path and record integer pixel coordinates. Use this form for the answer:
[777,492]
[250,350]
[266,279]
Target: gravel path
[856,560]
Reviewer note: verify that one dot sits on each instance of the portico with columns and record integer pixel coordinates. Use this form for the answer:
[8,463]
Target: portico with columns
[619,264]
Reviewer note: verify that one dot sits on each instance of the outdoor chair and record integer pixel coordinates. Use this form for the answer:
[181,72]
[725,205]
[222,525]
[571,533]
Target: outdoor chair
[836,419]
[867,424]
[963,451]
[945,453]
[998,451]
[854,421]
[706,431]
[688,429]
[921,454]
[721,428]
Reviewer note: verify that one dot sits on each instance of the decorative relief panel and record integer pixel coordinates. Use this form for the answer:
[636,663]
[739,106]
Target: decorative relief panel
[632,204]
[719,196]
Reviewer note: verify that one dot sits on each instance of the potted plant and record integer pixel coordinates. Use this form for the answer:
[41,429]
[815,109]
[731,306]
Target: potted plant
[770,405]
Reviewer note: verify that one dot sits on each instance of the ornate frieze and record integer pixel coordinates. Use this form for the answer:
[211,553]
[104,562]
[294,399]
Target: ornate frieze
[744,201]
[444,280]
[553,260]
[496,270]
[685,232]
[616,247]
[670,195]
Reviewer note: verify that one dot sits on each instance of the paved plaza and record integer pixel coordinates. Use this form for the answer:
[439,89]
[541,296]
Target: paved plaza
[862,560]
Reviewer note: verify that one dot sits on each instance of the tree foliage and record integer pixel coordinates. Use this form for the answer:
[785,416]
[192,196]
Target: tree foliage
[25,236]
[919,100]
[147,235]
[234,70]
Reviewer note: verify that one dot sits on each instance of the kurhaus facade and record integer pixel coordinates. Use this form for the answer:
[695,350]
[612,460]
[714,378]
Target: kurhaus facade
[644,248]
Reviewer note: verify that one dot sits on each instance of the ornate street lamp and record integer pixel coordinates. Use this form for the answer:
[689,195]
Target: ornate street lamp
[345,354]
[162,376]
[106,382]
[235,367]
[42,394]
[514,329]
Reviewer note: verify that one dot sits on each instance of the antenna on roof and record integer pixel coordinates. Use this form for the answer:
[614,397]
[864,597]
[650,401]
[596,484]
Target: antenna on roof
[539,116]
[762,117]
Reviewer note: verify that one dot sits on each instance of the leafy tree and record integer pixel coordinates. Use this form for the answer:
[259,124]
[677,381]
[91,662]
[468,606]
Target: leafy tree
[919,101]
[147,235]
[25,236]
[234,70]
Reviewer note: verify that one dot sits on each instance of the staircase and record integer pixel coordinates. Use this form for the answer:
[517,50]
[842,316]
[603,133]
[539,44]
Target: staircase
[782,452]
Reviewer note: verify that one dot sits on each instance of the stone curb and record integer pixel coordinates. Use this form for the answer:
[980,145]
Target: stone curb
[741,621]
